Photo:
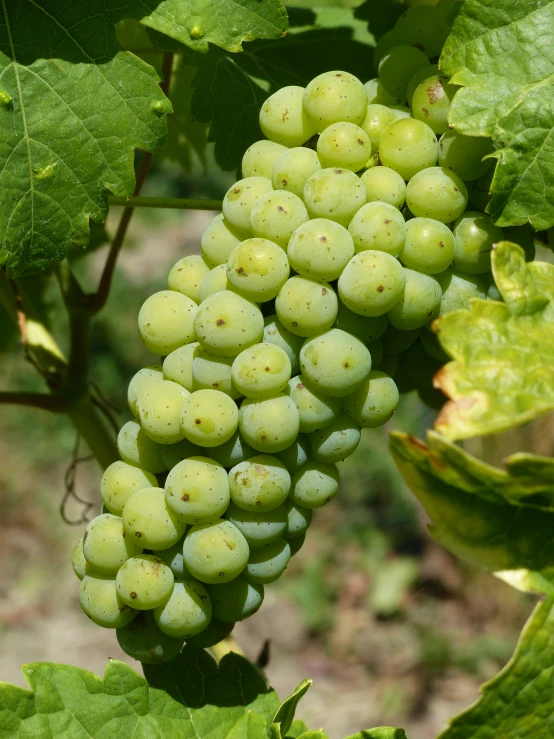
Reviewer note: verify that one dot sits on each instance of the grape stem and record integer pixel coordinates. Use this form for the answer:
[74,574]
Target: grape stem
[45,402]
[175,203]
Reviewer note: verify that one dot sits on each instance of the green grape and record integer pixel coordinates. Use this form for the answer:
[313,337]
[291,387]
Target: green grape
[144,582]
[211,372]
[172,454]
[374,402]
[344,145]
[186,612]
[420,366]
[378,119]
[259,158]
[408,146]
[276,216]
[336,441]
[314,485]
[423,26]
[269,425]
[524,236]
[159,411]
[464,155]
[261,371]
[480,192]
[401,111]
[100,601]
[432,398]
[187,274]
[209,418]
[333,97]
[431,102]
[119,481]
[236,600]
[177,366]
[165,321]
[365,329]
[377,95]
[215,552]
[136,448]
[474,236]
[294,168]
[376,350]
[429,246]
[387,41]
[197,490]
[432,347]
[212,634]
[295,455]
[436,193]
[259,484]
[398,66]
[215,282]
[335,194]
[417,78]
[276,333]
[143,640]
[232,452]
[296,544]
[283,118]
[298,519]
[268,563]
[80,565]
[378,226]
[306,307]
[257,269]
[258,528]
[493,293]
[148,519]
[334,363]
[320,249]
[389,364]
[419,304]
[385,185]
[144,378]
[173,558]
[105,545]
[371,283]
[314,410]
[458,289]
[227,323]
[396,341]
[241,198]
[219,240]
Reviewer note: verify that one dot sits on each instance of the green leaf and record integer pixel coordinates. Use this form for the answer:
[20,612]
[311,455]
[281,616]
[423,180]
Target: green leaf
[501,53]
[74,109]
[297,727]
[285,713]
[383,732]
[471,517]
[503,369]
[314,734]
[519,701]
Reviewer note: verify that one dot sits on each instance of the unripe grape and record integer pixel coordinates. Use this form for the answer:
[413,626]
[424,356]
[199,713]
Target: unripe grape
[144,641]
[257,269]
[269,425]
[474,236]
[144,582]
[259,158]
[378,119]
[216,632]
[306,307]
[464,155]
[215,282]
[173,557]
[335,363]
[363,328]
[332,97]
[241,198]
[371,283]
[396,340]
[276,333]
[386,42]
[268,563]
[378,226]
[385,185]
[315,410]
[419,304]
[232,452]
[215,552]
[336,441]
[136,448]
[259,484]
[408,146]
[344,145]
[160,410]
[211,372]
[227,323]
[376,350]
[458,289]
[436,193]
[295,455]
[276,216]
[377,95]
[401,111]
[283,118]
[417,78]
[81,567]
[423,26]
[119,481]
[259,528]
[187,274]
[429,246]
[373,403]
[294,168]
[166,321]
[298,519]
[314,485]
[101,602]
[186,612]
[148,520]
[335,194]
[431,101]
[172,454]
[142,379]
[177,366]
[397,67]
[296,543]
[320,249]
[209,417]
[261,370]
[219,240]
[197,490]
[105,545]
[236,600]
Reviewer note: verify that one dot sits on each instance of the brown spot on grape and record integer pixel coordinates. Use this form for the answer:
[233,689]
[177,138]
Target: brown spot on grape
[361,142]
[266,369]
[387,220]
[220,322]
[294,323]
[240,270]
[300,386]
[284,183]
[425,112]
[324,291]
[185,497]
[133,594]
[221,574]
[380,289]
[441,243]
[138,534]
[197,421]
[346,365]
[280,209]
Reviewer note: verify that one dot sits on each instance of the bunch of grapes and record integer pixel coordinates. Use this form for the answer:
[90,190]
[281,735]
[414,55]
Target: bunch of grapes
[306,312]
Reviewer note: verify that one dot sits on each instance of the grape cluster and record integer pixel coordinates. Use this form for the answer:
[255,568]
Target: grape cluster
[305,314]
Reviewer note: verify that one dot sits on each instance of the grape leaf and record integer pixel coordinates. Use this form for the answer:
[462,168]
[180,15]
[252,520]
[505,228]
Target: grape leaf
[285,713]
[503,369]
[519,701]
[502,55]
[382,732]
[73,107]
[514,542]
[188,698]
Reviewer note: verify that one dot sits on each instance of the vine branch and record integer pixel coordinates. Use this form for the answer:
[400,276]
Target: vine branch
[173,203]
[52,403]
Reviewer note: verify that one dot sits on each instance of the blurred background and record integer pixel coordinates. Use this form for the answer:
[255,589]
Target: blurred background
[391,627]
